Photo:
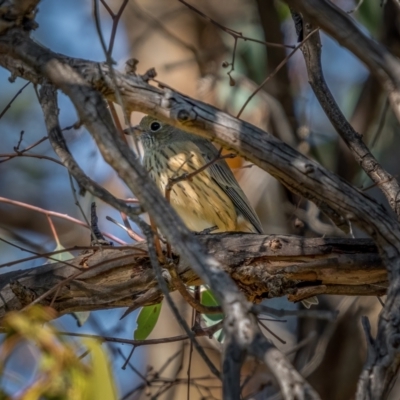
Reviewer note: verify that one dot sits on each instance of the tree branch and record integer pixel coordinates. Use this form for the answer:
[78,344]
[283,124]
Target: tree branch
[262,266]
[343,28]
[387,183]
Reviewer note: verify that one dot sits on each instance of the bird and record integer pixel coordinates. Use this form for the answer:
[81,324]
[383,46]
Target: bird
[212,198]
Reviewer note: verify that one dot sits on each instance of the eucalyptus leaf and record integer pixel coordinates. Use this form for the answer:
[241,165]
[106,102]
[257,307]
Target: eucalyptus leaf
[81,317]
[208,299]
[146,321]
[63,256]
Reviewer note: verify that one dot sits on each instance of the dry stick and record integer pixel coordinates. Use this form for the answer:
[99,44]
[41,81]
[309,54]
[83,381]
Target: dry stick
[131,232]
[127,363]
[126,227]
[53,230]
[136,343]
[109,61]
[57,215]
[360,2]
[270,332]
[107,7]
[317,314]
[188,177]
[10,156]
[21,135]
[108,53]
[31,146]
[128,358]
[45,255]
[115,19]
[13,99]
[189,368]
[48,255]
[382,120]
[21,152]
[376,184]
[386,182]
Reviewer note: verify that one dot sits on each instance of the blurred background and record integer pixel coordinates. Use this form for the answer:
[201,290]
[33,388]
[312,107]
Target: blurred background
[190,54]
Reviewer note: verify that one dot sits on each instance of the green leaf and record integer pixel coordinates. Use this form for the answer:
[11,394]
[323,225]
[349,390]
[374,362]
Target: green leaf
[63,256]
[208,299]
[81,317]
[146,321]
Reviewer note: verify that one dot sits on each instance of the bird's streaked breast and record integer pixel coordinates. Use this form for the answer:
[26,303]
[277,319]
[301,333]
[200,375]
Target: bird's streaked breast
[200,202]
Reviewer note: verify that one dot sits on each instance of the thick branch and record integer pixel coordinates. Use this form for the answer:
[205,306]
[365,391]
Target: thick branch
[262,266]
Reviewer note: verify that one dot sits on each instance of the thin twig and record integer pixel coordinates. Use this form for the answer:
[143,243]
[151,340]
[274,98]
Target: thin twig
[275,71]
[381,124]
[133,235]
[233,33]
[13,99]
[188,177]
[270,332]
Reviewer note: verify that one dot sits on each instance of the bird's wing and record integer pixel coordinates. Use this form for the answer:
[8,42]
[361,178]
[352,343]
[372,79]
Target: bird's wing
[223,176]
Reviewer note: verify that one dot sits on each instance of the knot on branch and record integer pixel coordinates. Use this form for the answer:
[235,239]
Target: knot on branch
[276,286]
[130,66]
[149,74]
[183,114]
[308,169]
[18,14]
[24,294]
[274,244]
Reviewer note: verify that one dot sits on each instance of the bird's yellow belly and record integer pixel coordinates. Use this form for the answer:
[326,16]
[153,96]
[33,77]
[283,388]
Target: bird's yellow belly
[200,202]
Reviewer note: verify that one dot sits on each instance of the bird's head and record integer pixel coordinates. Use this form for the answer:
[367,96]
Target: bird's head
[154,133]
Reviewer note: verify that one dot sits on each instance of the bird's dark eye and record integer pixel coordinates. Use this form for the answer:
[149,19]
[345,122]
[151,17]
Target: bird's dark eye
[155,126]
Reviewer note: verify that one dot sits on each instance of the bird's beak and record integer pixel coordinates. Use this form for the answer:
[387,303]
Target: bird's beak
[135,130]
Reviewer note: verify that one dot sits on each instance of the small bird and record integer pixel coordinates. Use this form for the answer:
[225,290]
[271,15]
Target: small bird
[211,198]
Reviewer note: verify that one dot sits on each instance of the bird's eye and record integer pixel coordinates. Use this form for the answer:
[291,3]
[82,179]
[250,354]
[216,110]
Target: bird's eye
[155,126]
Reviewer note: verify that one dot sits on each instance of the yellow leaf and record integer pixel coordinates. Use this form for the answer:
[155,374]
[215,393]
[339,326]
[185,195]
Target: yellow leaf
[100,382]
